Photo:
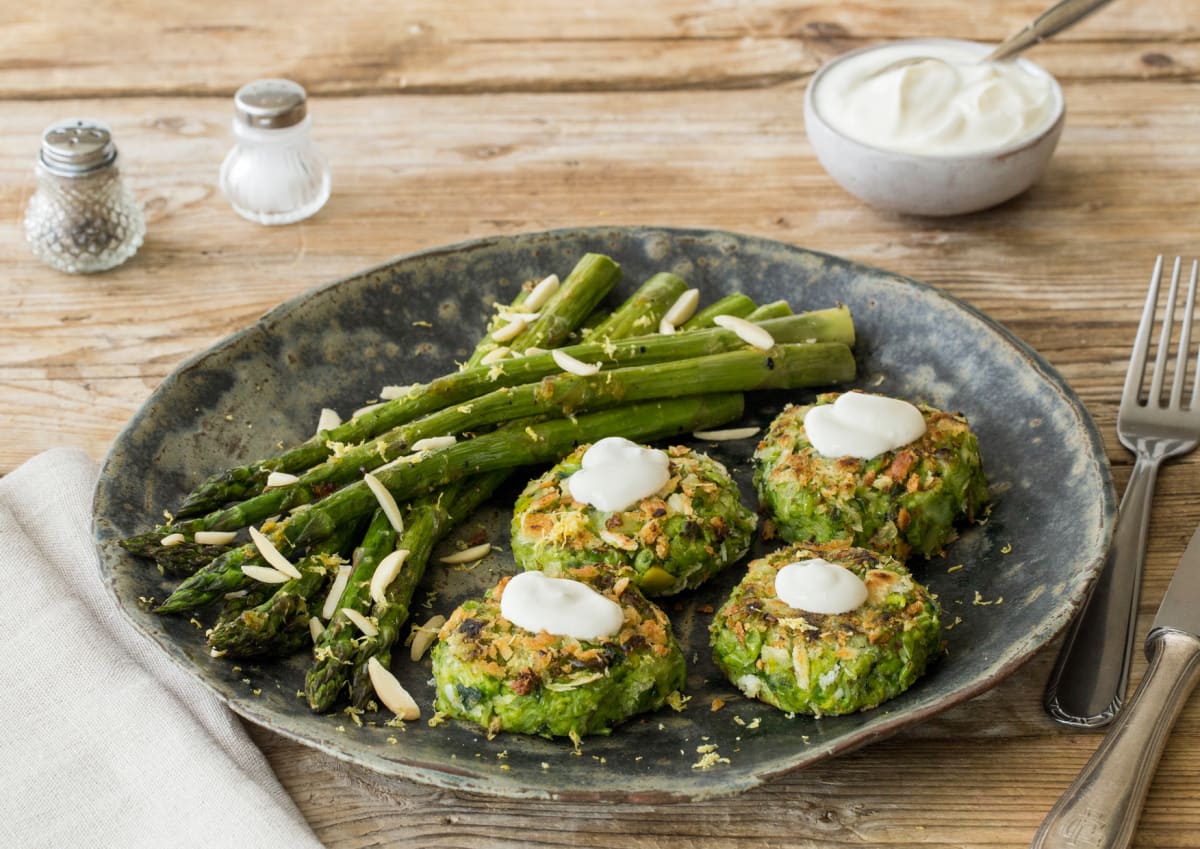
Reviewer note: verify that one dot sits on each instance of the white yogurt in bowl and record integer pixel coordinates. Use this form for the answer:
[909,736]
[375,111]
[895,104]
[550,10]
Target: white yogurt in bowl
[952,106]
[933,138]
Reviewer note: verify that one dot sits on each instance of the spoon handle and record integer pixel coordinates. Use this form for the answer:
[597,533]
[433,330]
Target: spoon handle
[1054,20]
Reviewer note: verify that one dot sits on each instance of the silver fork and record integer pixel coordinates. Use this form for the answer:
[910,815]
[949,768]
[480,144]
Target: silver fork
[1091,675]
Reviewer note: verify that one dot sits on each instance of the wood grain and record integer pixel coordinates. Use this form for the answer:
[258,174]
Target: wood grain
[447,121]
[364,47]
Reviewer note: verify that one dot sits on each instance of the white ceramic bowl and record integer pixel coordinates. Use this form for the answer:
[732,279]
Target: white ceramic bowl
[934,185]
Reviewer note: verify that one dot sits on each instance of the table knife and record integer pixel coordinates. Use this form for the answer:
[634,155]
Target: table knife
[1100,809]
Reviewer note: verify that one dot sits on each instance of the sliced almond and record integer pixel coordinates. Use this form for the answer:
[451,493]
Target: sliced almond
[425,636]
[725,435]
[271,554]
[335,592]
[390,508]
[264,574]
[173,539]
[315,628]
[361,622]
[569,364]
[683,308]
[385,573]
[621,541]
[214,537]
[495,355]
[510,331]
[468,555]
[534,350]
[541,293]
[391,393]
[390,691]
[434,443]
[362,410]
[747,331]
[523,316]
[277,479]
[665,327]
[329,419]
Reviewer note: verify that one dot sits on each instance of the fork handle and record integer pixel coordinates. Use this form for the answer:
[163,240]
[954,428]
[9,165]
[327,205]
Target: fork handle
[1091,675]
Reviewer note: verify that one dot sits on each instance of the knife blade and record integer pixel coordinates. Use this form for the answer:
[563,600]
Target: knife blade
[1180,608]
[1100,809]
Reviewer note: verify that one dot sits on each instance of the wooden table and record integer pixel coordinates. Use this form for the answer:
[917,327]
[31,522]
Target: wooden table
[445,121]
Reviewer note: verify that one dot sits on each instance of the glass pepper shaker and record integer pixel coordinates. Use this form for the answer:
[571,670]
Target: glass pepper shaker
[274,174]
[82,218]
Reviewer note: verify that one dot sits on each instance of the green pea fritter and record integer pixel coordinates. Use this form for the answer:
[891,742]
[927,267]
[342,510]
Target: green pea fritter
[505,678]
[673,540]
[827,664]
[897,502]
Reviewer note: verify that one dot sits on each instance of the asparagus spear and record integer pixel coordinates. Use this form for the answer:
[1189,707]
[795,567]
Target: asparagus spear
[829,325]
[597,318]
[330,671]
[592,278]
[221,575]
[280,624]
[241,600]
[428,520]
[775,309]
[641,312]
[736,304]
[184,558]
[785,367]
[427,528]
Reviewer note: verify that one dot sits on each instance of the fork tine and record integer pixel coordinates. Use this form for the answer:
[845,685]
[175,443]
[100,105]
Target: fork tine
[1141,343]
[1185,343]
[1164,341]
[1194,401]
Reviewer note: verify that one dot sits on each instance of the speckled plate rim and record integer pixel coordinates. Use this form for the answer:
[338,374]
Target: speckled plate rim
[885,725]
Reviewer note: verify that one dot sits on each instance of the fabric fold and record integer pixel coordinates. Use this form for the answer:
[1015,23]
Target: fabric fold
[106,742]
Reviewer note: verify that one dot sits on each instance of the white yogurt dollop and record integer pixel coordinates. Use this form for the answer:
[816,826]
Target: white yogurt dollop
[559,606]
[863,426]
[953,107]
[818,586]
[617,473]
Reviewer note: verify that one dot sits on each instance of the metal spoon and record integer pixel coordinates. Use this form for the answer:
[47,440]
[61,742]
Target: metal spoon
[1060,16]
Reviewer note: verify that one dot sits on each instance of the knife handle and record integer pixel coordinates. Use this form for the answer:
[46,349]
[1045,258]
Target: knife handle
[1091,673]
[1100,809]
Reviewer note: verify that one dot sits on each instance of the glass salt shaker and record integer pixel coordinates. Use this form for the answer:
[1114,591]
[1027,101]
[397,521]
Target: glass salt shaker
[82,218]
[274,174]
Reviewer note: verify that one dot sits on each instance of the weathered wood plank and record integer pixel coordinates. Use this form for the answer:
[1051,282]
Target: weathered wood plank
[363,47]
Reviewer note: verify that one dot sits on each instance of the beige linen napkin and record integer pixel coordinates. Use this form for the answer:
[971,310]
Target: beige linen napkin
[104,741]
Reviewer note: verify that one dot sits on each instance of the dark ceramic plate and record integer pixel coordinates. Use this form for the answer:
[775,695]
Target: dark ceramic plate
[1023,573]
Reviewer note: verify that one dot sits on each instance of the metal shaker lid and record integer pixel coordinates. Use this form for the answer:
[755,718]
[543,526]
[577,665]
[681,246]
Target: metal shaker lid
[271,104]
[77,146]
